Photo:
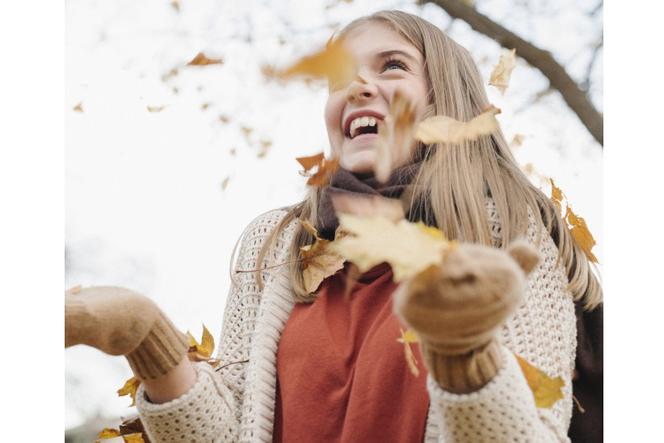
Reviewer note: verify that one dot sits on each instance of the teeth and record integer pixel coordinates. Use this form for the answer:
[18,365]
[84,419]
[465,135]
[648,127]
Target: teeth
[360,122]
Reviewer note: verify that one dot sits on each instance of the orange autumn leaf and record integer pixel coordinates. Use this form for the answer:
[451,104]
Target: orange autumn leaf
[78,107]
[556,196]
[136,437]
[334,62]
[318,262]
[444,129]
[130,387]
[395,137]
[326,168]
[546,390]
[108,433]
[202,60]
[500,76]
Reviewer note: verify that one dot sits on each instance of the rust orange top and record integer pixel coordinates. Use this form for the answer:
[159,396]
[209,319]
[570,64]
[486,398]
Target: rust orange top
[341,373]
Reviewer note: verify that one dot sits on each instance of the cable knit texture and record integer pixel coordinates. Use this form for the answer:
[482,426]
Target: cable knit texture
[237,403]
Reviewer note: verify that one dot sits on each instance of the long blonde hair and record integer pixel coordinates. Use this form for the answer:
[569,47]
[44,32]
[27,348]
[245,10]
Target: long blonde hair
[452,184]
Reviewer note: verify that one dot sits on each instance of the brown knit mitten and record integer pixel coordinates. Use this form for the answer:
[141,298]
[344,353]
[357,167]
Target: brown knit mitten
[456,309]
[119,321]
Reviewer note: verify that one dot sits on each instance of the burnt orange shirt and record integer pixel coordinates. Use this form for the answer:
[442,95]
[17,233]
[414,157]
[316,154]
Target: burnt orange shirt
[342,375]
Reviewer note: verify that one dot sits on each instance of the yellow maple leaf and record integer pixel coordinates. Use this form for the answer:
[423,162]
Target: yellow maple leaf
[408,337]
[581,234]
[203,350]
[334,62]
[130,387]
[395,137]
[318,261]
[546,390]
[136,437]
[408,247]
[443,129]
[108,433]
[500,76]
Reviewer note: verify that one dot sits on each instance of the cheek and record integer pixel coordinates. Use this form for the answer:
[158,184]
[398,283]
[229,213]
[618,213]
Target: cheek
[333,109]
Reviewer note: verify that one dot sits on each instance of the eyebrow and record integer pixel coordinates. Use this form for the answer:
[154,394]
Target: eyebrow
[385,54]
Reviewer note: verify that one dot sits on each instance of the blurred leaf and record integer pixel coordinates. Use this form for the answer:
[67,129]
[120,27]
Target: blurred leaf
[108,433]
[156,108]
[443,129]
[500,76]
[546,390]
[517,140]
[326,168]
[202,60]
[78,107]
[224,183]
[395,137]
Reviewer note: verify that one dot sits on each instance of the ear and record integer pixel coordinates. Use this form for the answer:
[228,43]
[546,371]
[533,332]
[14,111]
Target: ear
[524,254]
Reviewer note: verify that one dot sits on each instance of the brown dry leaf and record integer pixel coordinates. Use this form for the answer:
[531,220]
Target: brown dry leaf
[326,168]
[202,60]
[203,350]
[156,108]
[171,73]
[395,137]
[175,4]
[130,387]
[581,234]
[265,147]
[333,62]
[408,337]
[368,205]
[318,261]
[546,390]
[78,107]
[500,76]
[204,106]
[517,140]
[443,129]
[224,183]
[108,433]
[224,118]
[408,247]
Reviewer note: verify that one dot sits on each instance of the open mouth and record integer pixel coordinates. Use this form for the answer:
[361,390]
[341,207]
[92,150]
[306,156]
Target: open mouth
[362,126]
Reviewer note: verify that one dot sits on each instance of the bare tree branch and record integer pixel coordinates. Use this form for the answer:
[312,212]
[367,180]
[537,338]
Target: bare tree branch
[574,96]
[585,85]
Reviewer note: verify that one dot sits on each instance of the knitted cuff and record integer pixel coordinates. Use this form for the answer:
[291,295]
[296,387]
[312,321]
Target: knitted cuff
[161,350]
[466,373]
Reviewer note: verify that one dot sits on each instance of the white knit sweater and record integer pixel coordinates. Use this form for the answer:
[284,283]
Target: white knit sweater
[237,403]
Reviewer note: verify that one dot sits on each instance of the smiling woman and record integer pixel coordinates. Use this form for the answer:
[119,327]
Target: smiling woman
[325,365]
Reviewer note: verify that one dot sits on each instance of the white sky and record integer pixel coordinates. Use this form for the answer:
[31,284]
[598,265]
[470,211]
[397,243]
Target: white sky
[144,203]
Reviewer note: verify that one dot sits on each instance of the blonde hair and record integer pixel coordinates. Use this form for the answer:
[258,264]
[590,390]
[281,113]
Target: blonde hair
[453,182]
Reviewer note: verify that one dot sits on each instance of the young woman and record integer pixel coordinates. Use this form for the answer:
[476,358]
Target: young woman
[300,366]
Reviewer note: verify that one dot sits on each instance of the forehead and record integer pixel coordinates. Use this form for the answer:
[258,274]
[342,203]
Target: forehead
[372,38]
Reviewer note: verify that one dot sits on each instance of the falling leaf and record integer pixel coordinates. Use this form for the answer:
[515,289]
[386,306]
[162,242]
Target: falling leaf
[108,433]
[155,108]
[224,118]
[318,261]
[517,140]
[175,4]
[202,60]
[233,152]
[326,168]
[171,73]
[204,106]
[395,137]
[576,224]
[408,337]
[246,130]
[224,183]
[130,388]
[175,90]
[500,76]
[368,205]
[546,390]
[443,129]
[408,247]
[265,147]
[581,234]
[333,62]
[78,107]
[203,350]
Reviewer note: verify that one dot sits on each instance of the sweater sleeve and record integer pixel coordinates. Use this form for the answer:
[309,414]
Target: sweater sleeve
[211,409]
[543,331]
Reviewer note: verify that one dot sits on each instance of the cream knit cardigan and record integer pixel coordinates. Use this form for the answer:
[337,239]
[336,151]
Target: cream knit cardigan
[237,403]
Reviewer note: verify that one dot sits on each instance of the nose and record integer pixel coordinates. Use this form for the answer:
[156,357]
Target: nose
[361,89]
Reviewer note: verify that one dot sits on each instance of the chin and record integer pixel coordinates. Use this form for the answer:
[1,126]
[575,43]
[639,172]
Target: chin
[359,162]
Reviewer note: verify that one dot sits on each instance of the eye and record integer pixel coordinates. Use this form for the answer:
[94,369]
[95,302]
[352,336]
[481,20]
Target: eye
[393,63]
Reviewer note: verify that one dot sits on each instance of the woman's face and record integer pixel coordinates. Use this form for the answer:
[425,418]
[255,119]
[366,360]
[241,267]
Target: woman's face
[387,62]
